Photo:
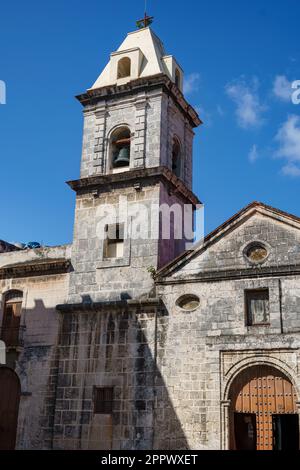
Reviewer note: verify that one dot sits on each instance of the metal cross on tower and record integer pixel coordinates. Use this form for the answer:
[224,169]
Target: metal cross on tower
[146,21]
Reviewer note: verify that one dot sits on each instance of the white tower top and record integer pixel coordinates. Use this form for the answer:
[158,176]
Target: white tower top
[141,55]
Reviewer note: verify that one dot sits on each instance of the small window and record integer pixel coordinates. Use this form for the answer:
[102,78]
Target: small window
[11,318]
[176,158]
[177,78]
[188,302]
[114,241]
[103,400]
[256,253]
[120,148]
[124,67]
[257,307]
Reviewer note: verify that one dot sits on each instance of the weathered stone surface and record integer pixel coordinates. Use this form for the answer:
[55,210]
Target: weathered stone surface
[91,322]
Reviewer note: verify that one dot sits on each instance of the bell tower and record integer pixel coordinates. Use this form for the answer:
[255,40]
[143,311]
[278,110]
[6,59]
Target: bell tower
[136,167]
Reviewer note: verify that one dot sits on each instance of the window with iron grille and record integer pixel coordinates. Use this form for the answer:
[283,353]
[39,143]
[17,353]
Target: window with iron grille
[103,400]
[257,307]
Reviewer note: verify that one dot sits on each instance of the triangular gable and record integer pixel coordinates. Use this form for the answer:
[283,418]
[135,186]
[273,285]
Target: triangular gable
[220,232]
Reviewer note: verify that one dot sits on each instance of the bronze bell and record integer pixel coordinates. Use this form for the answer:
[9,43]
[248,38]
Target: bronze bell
[122,157]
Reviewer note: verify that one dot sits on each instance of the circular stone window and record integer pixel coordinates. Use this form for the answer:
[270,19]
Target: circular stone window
[256,253]
[188,302]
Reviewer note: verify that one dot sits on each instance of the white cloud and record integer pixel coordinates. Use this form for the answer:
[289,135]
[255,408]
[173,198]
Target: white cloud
[249,110]
[253,154]
[291,170]
[282,88]
[288,141]
[191,83]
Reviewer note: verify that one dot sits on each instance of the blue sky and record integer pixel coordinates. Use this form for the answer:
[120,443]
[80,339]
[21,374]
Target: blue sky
[239,59]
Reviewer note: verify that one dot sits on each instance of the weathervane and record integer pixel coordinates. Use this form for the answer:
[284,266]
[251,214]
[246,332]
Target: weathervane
[146,21]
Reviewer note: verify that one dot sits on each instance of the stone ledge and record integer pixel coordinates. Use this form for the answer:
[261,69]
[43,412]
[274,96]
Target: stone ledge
[36,268]
[156,174]
[110,305]
[93,96]
[236,274]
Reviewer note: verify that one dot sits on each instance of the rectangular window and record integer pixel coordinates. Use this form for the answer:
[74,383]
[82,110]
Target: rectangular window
[103,400]
[114,242]
[257,307]
[11,318]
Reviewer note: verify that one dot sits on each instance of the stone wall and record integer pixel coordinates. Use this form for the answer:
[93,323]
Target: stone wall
[196,344]
[153,118]
[141,113]
[35,359]
[173,123]
[110,279]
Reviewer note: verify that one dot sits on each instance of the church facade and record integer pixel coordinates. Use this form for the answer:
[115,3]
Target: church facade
[131,339]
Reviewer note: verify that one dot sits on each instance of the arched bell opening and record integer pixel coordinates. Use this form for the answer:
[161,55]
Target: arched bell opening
[120,146]
[263,412]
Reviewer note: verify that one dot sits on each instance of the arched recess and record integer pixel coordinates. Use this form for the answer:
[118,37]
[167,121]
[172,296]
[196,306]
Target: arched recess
[10,390]
[263,410]
[124,67]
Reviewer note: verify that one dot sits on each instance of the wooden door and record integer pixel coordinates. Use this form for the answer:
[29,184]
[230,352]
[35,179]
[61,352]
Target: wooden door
[263,391]
[9,407]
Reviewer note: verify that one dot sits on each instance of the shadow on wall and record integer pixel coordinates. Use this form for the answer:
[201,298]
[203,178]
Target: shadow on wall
[99,350]
[65,357]
[31,355]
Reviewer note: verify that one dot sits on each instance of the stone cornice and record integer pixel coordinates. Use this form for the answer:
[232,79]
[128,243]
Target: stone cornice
[122,305]
[161,173]
[94,96]
[235,274]
[36,268]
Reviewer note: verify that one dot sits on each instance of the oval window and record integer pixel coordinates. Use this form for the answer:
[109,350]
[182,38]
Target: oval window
[188,302]
[256,253]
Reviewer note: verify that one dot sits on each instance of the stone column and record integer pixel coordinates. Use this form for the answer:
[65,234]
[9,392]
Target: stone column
[225,425]
[139,140]
[100,147]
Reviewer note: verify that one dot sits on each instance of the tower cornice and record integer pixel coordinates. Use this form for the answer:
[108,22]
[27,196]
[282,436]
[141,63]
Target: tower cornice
[93,97]
[104,183]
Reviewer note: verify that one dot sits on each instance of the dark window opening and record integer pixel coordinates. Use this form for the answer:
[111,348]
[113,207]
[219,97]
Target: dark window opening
[257,307]
[177,78]
[103,400]
[176,158]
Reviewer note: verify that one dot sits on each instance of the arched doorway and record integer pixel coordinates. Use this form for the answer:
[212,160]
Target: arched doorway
[263,411]
[9,407]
